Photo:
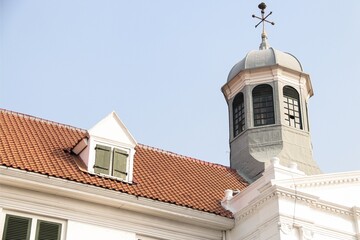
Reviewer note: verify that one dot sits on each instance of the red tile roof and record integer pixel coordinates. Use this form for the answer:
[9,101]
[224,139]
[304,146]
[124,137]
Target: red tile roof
[37,145]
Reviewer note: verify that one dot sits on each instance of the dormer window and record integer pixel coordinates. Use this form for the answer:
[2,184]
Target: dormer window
[108,150]
[111,161]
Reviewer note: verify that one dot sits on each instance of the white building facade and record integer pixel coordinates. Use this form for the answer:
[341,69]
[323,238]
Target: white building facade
[287,204]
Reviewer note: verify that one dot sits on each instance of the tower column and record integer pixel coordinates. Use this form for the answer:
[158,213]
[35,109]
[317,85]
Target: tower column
[248,107]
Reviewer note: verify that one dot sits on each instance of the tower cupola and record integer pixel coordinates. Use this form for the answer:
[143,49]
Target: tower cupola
[267,94]
[263,58]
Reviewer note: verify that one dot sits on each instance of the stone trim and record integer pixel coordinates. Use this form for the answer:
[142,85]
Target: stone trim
[279,192]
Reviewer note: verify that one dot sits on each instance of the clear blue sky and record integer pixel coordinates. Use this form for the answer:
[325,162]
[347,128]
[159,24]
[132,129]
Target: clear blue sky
[160,65]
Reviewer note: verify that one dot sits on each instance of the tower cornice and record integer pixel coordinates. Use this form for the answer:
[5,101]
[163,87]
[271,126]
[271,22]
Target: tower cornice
[261,75]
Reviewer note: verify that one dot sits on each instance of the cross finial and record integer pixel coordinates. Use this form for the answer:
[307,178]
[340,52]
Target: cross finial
[264,44]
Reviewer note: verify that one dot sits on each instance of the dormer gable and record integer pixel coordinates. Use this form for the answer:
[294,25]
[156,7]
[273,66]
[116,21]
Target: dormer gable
[109,149]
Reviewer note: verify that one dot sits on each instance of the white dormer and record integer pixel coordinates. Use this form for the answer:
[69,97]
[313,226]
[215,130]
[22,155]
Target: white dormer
[109,150]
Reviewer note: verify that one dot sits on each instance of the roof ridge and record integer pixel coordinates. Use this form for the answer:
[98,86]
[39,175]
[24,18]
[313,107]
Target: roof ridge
[41,119]
[184,157]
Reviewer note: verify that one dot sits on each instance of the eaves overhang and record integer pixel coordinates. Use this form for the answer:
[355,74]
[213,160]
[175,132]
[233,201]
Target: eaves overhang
[66,188]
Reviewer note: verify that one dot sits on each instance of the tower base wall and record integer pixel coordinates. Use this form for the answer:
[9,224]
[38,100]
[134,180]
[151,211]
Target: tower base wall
[252,150]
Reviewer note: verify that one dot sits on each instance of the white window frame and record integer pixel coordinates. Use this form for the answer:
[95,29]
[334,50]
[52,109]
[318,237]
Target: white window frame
[34,221]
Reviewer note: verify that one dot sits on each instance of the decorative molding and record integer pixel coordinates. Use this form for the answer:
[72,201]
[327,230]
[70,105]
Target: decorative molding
[306,234]
[322,181]
[280,192]
[356,211]
[285,228]
[315,203]
[252,208]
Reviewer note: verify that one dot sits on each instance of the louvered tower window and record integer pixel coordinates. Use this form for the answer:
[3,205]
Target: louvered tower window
[263,105]
[292,107]
[238,114]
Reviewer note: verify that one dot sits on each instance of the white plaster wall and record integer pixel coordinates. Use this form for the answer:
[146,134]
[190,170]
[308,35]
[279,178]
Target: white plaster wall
[77,230]
[257,223]
[344,194]
[330,221]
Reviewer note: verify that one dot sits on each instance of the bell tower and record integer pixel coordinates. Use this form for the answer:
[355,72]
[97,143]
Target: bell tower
[267,94]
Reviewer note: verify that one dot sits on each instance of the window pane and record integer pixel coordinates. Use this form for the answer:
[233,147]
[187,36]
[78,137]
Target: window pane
[17,228]
[48,230]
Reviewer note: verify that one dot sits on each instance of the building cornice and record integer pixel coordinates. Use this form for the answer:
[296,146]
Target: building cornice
[261,75]
[330,179]
[276,192]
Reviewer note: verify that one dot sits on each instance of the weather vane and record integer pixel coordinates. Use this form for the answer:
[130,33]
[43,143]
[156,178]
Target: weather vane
[263,19]
[262,6]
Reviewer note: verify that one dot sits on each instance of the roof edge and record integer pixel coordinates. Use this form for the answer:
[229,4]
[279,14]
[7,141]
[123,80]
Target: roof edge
[64,187]
[42,120]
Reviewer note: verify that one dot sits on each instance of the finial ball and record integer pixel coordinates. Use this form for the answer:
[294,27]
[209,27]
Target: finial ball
[262,6]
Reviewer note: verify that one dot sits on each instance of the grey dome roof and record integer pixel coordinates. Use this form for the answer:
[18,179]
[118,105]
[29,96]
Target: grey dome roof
[265,57]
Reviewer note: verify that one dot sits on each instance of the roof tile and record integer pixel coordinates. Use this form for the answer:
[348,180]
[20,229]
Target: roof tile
[41,146]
